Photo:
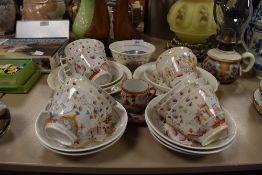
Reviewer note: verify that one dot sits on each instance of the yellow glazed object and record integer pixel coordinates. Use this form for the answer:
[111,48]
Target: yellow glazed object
[192,20]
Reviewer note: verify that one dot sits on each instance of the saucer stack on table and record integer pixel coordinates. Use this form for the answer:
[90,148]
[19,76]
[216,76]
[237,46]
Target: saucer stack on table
[257,98]
[147,72]
[119,115]
[86,58]
[120,73]
[80,119]
[171,67]
[176,141]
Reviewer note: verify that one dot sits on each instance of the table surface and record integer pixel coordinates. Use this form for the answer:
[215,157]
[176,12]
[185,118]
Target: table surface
[137,151]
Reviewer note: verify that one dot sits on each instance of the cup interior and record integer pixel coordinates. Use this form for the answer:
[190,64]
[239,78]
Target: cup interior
[135,86]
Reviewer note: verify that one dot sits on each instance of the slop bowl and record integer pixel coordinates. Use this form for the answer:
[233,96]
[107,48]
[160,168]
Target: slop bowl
[132,53]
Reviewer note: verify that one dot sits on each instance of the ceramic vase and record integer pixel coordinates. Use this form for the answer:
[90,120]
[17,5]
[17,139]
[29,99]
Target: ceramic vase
[43,9]
[192,21]
[92,20]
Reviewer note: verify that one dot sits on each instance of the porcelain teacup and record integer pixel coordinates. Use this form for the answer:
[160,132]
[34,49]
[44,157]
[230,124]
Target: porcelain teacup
[199,116]
[178,93]
[76,110]
[77,47]
[135,95]
[175,63]
[92,66]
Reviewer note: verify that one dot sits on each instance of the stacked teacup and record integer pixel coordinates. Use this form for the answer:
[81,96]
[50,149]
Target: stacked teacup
[81,119]
[175,65]
[188,118]
[86,58]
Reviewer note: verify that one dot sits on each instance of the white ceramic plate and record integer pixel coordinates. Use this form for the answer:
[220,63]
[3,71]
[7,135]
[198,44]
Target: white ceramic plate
[149,67]
[184,150]
[83,153]
[153,121]
[119,114]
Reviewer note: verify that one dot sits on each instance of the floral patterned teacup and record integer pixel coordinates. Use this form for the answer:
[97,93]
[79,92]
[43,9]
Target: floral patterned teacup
[178,93]
[199,116]
[92,66]
[75,48]
[136,94]
[175,63]
[76,110]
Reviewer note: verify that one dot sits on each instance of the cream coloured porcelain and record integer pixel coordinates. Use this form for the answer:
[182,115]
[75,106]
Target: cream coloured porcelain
[226,65]
[118,124]
[174,137]
[175,63]
[182,107]
[75,48]
[185,150]
[76,110]
[135,95]
[132,53]
[148,73]
[57,77]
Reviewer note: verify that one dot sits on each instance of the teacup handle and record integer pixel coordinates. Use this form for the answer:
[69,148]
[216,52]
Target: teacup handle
[65,66]
[251,58]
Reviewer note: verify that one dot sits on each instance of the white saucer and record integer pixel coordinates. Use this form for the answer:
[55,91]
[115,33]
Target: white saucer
[119,114]
[83,153]
[140,71]
[152,120]
[185,150]
[56,78]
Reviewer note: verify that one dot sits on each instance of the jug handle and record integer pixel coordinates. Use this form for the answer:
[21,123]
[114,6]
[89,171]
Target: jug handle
[250,56]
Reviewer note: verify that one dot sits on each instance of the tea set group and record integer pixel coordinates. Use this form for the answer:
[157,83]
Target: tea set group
[93,98]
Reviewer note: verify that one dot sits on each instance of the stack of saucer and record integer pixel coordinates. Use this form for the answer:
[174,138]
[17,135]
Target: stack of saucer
[173,66]
[173,139]
[147,72]
[81,119]
[257,99]
[86,58]
[119,74]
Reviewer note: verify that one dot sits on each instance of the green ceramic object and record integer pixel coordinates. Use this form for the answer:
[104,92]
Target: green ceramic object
[83,18]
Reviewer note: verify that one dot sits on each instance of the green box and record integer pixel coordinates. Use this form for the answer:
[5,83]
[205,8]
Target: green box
[25,88]
[20,77]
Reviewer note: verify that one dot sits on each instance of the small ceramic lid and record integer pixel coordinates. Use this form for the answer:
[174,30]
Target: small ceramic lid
[227,56]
